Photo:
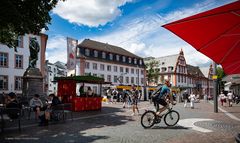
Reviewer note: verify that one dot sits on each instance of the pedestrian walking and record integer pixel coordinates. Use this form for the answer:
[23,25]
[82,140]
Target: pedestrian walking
[230,98]
[192,99]
[185,98]
[134,100]
[222,98]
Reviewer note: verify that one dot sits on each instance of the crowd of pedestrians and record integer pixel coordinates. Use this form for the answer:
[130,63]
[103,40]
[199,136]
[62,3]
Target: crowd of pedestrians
[129,98]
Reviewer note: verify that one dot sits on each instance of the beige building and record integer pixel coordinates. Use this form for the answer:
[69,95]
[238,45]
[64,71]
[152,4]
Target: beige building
[182,75]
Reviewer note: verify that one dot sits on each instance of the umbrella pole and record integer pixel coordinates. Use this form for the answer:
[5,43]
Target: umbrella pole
[215,87]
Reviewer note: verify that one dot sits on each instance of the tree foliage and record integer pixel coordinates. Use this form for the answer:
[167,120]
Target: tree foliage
[152,71]
[19,17]
[220,74]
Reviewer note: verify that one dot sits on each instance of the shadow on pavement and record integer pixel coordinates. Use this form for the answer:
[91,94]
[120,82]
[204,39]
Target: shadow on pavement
[170,127]
[84,128]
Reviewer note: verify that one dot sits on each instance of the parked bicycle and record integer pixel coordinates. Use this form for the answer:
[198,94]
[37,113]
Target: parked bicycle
[149,118]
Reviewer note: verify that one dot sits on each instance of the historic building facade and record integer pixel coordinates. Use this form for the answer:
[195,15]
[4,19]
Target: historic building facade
[13,64]
[182,75]
[114,64]
[57,69]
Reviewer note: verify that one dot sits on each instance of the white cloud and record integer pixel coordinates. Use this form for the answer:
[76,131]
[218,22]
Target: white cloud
[144,36]
[57,49]
[89,12]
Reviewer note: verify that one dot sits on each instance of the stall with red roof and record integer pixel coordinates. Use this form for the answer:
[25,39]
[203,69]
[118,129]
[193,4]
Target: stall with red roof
[67,92]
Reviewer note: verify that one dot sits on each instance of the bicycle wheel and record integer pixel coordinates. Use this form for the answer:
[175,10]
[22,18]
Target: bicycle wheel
[171,118]
[148,119]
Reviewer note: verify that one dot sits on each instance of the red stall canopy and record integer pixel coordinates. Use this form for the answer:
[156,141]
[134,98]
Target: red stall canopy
[215,33]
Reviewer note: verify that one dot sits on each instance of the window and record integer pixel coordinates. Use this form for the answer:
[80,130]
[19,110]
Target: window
[121,79]
[87,52]
[124,59]
[3,60]
[129,60]
[115,68]
[127,80]
[135,61]
[3,82]
[95,66]
[95,53]
[103,55]
[18,61]
[137,71]
[132,80]
[102,67]
[127,70]
[170,69]
[87,65]
[178,78]
[111,56]
[137,80]
[115,79]
[117,57]
[164,69]
[109,78]
[18,83]
[109,68]
[95,74]
[20,41]
[140,62]
[121,69]
[132,71]
[102,75]
[142,72]
[142,79]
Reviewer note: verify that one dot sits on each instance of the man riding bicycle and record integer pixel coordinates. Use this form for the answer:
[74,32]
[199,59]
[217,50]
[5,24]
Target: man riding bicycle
[161,98]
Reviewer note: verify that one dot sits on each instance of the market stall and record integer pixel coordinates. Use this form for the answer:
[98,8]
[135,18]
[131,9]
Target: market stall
[67,92]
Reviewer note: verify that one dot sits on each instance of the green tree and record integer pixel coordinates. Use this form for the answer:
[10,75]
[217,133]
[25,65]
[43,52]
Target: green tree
[220,75]
[152,71]
[19,17]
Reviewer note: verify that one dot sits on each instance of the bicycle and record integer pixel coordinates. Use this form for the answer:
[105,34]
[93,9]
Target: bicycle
[149,118]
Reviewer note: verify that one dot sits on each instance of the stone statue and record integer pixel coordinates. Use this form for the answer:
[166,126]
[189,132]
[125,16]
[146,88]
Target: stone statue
[34,49]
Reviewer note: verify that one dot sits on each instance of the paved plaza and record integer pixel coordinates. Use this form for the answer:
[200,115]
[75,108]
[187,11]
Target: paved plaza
[115,124]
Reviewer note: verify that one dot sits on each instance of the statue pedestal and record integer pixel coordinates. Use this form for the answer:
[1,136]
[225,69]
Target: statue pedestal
[32,83]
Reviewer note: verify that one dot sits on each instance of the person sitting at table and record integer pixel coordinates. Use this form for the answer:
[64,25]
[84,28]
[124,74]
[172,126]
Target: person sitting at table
[53,101]
[12,103]
[81,90]
[89,92]
[36,104]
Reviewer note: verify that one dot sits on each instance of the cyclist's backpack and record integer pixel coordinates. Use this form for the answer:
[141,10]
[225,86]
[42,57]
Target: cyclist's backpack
[156,93]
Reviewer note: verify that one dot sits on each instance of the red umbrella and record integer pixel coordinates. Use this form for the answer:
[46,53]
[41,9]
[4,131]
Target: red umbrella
[215,33]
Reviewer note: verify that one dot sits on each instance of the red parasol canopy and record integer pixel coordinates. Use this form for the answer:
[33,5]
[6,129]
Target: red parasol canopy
[215,33]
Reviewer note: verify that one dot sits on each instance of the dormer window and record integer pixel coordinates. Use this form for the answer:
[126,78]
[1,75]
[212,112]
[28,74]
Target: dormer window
[117,57]
[87,52]
[129,60]
[111,56]
[140,62]
[95,53]
[103,55]
[135,61]
[124,59]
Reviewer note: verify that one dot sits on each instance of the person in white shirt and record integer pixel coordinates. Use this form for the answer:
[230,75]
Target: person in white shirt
[192,99]
[230,98]
[222,98]
[37,105]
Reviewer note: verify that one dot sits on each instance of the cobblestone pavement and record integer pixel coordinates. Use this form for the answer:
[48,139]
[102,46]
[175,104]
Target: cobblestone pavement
[115,124]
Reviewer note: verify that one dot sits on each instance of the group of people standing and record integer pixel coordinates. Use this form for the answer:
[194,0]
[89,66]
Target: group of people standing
[128,97]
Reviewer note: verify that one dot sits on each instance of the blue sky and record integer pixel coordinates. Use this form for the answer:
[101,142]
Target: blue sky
[134,25]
